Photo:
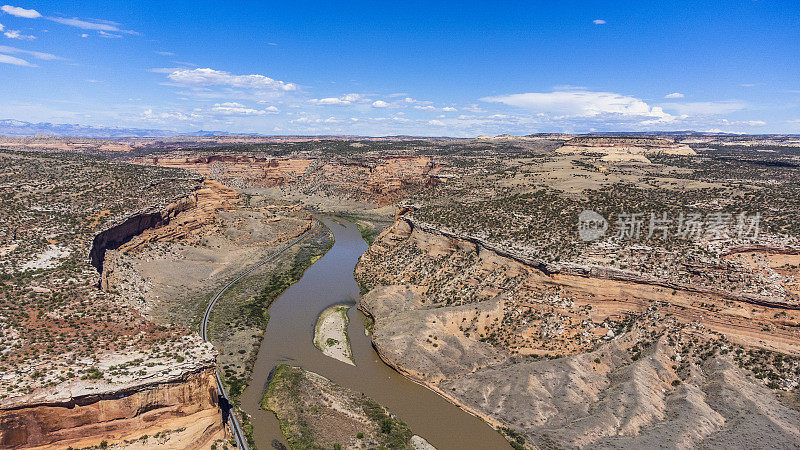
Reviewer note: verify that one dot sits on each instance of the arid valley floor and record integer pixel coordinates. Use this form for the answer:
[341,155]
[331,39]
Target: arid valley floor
[670,319]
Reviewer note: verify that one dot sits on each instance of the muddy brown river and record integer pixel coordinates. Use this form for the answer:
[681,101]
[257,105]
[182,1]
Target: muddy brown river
[289,339]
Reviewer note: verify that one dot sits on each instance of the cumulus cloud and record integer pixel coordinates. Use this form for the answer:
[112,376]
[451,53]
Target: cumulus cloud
[599,22]
[20,12]
[6,59]
[424,108]
[37,55]
[210,77]
[449,109]
[582,104]
[2,27]
[16,34]
[238,109]
[705,108]
[674,95]
[344,100]
[380,104]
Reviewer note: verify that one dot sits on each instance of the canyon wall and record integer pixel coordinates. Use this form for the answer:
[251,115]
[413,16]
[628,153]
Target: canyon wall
[117,235]
[185,407]
[174,221]
[573,360]
[382,180]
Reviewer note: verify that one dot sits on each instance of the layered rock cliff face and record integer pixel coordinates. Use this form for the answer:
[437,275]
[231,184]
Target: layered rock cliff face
[575,360]
[259,171]
[381,180]
[117,235]
[175,221]
[184,406]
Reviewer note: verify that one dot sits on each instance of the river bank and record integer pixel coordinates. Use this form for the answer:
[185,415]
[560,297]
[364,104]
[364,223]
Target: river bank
[289,340]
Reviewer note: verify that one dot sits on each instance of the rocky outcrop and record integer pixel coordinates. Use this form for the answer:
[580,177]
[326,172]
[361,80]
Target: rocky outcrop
[174,221]
[117,235]
[186,402]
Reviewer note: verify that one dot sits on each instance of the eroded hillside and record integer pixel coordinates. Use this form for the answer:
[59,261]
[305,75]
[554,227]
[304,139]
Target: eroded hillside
[484,290]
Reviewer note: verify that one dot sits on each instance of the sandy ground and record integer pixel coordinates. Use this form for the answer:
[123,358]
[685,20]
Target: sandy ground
[418,443]
[330,334]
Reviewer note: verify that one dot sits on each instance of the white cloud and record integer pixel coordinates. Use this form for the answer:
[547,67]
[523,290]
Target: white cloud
[2,27]
[317,120]
[705,108]
[15,61]
[210,77]
[582,104]
[344,100]
[599,22]
[166,70]
[165,53]
[755,123]
[569,87]
[159,117]
[449,109]
[380,104]
[674,95]
[238,109]
[97,25]
[424,108]
[20,12]
[37,55]
[413,101]
[437,123]
[107,35]
[16,34]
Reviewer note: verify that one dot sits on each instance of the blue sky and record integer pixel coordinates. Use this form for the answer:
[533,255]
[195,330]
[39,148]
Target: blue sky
[421,68]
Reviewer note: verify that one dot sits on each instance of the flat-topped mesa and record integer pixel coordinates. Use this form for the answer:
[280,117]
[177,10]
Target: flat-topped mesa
[616,149]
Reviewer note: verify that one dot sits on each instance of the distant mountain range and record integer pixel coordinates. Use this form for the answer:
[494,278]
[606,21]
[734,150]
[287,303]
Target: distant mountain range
[11,127]
[19,128]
